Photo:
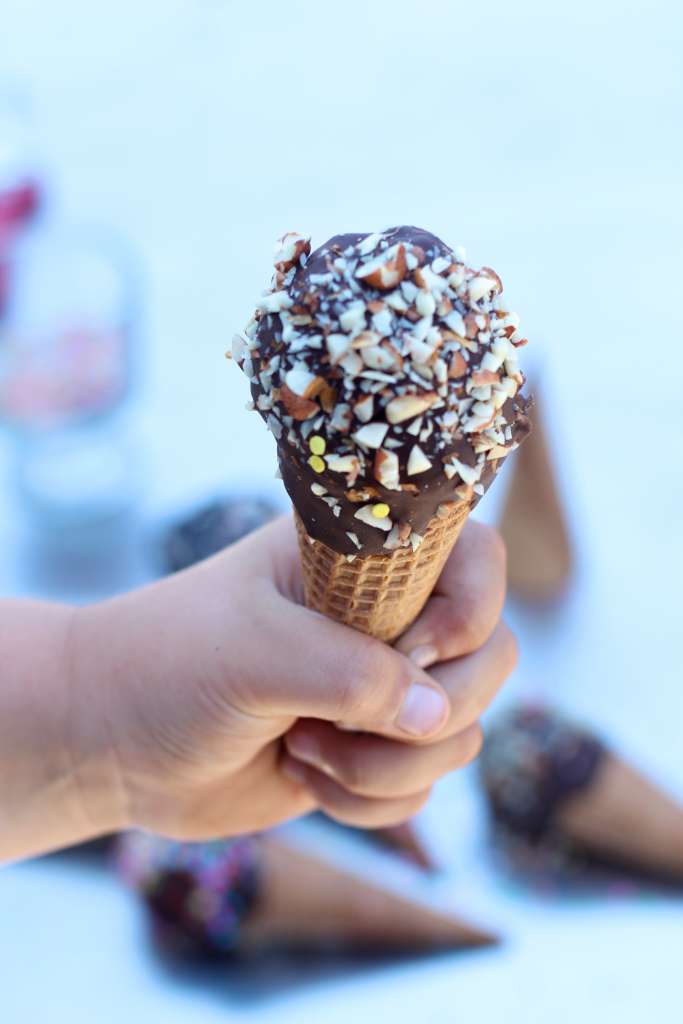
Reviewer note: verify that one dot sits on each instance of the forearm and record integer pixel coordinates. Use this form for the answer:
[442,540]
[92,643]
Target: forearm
[55,776]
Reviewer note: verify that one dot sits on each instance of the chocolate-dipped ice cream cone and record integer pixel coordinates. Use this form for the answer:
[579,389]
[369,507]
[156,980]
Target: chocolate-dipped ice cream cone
[550,781]
[250,895]
[387,370]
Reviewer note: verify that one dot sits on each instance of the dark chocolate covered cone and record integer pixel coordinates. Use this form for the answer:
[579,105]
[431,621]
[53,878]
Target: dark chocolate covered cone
[307,902]
[533,522]
[387,370]
[624,817]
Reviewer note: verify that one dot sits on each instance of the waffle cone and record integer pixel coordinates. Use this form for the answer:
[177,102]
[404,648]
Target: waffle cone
[624,817]
[404,839]
[534,521]
[308,902]
[378,594]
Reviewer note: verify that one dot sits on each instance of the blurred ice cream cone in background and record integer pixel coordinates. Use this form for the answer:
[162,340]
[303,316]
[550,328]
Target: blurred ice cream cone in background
[251,895]
[550,781]
[405,840]
[625,817]
[309,902]
[533,521]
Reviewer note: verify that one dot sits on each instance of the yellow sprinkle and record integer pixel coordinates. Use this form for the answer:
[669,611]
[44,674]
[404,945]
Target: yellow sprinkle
[317,444]
[316,463]
[380,510]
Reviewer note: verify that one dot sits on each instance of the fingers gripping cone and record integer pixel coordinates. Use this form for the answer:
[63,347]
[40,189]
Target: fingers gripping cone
[380,594]
[387,370]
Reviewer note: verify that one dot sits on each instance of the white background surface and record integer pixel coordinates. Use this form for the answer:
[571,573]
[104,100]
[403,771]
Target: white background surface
[547,140]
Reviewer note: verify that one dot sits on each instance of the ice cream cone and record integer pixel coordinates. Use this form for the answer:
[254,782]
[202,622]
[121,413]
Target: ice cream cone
[554,784]
[257,893]
[387,370]
[533,522]
[378,594]
[305,901]
[404,840]
[624,817]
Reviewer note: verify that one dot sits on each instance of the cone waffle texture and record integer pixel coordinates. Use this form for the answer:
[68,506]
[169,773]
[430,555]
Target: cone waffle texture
[378,594]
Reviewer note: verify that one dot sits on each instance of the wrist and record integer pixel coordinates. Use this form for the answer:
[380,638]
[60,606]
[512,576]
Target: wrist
[91,735]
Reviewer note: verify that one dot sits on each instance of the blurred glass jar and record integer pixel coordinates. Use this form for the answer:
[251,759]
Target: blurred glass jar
[66,371]
[65,335]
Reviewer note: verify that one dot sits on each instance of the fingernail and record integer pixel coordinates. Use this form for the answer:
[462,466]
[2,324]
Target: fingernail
[424,655]
[294,770]
[424,709]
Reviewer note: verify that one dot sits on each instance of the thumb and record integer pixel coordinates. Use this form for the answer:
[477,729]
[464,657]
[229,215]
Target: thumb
[313,667]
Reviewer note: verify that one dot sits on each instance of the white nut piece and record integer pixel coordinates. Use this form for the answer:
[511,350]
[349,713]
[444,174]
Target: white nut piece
[480,286]
[425,303]
[301,382]
[406,407]
[417,461]
[364,408]
[337,346]
[386,469]
[352,319]
[341,418]
[275,301]
[371,435]
[366,515]
[468,474]
[456,323]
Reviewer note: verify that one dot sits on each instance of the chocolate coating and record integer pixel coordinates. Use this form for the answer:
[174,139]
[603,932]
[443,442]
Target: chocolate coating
[198,894]
[533,761]
[399,363]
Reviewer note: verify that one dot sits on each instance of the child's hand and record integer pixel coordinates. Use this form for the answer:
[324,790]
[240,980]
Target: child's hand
[199,677]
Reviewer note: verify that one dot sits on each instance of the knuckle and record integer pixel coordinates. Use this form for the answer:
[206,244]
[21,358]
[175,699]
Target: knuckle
[416,803]
[461,623]
[453,619]
[473,744]
[508,648]
[374,813]
[351,681]
[387,813]
[469,626]
[351,773]
[367,682]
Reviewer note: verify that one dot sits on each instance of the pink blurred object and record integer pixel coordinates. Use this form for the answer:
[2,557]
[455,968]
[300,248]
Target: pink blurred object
[66,331]
[21,184]
[78,372]
[19,202]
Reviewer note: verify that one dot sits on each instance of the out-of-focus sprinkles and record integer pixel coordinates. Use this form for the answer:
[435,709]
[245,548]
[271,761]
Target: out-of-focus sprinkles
[198,893]
[532,761]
